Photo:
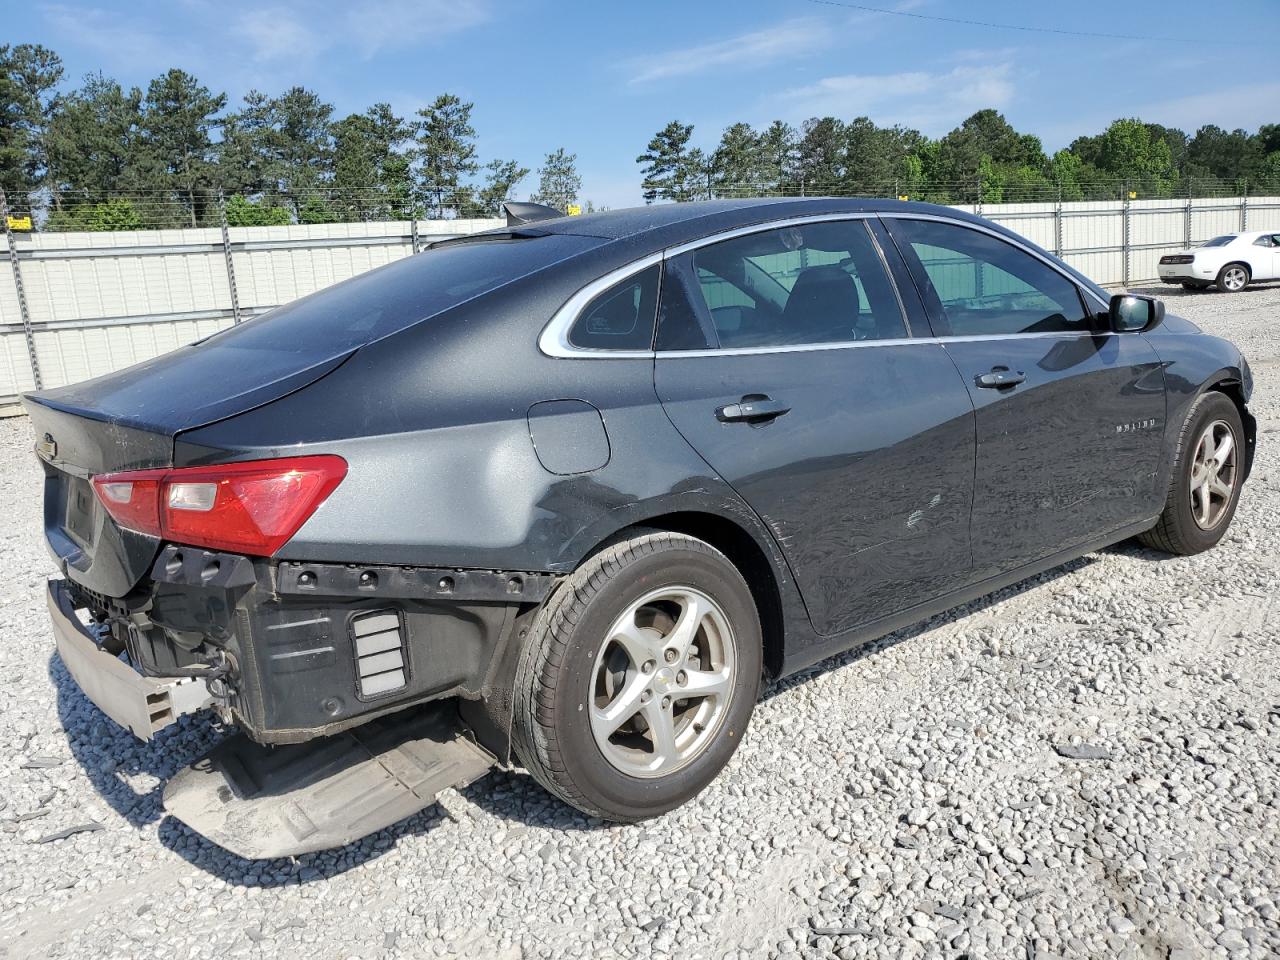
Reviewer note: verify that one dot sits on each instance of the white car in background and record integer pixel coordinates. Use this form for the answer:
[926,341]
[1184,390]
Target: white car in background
[1232,261]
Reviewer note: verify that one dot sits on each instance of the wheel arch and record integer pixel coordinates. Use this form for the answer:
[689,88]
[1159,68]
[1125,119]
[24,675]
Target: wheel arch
[1230,384]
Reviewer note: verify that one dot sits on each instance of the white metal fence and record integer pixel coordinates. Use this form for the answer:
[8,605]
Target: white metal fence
[76,305]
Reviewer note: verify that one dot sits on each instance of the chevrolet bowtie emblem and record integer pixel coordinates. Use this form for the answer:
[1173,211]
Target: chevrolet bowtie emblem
[47,447]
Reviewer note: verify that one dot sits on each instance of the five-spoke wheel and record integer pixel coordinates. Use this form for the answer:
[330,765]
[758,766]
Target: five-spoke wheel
[662,682]
[1213,474]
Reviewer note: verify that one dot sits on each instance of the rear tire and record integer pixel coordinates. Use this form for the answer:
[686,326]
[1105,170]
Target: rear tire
[1204,486]
[599,719]
[1233,278]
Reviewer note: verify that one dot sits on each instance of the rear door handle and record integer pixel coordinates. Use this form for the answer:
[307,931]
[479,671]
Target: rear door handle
[755,408]
[1000,377]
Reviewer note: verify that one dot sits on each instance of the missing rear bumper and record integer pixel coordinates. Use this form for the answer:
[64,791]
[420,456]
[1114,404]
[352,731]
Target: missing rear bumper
[143,705]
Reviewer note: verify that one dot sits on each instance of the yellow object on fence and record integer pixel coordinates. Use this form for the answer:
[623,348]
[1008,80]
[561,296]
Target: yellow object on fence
[20,223]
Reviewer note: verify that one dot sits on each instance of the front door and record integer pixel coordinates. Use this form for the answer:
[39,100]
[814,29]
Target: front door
[1070,418]
[784,360]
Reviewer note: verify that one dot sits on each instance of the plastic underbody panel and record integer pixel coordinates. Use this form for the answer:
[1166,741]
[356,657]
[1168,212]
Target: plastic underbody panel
[308,657]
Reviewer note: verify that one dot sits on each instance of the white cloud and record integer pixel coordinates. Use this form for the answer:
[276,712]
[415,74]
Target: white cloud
[784,41]
[375,25]
[931,102]
[274,33]
[119,43]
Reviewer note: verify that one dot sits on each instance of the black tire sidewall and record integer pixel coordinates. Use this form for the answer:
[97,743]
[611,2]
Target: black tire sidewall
[1213,406]
[603,785]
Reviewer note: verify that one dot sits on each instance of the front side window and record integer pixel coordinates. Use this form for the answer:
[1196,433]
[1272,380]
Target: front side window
[1266,240]
[811,283]
[988,287]
[622,317]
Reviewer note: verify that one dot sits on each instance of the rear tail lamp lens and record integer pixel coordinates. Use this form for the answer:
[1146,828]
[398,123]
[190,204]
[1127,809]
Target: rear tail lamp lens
[252,507]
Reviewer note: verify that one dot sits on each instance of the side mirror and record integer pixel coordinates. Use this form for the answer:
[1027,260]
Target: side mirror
[1130,313]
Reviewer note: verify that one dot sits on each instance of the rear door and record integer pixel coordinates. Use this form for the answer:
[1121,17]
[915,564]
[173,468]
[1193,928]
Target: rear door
[1070,416]
[785,359]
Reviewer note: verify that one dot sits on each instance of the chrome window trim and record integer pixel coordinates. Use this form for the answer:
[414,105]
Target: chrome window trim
[554,339]
[894,342]
[554,342]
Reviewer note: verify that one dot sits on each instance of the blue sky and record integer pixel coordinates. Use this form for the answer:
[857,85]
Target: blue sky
[600,77]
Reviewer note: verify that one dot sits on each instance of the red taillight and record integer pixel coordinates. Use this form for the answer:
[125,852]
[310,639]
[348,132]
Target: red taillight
[252,507]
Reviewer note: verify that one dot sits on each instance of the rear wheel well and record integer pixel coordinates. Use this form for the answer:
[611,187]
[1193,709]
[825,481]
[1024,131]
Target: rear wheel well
[745,554]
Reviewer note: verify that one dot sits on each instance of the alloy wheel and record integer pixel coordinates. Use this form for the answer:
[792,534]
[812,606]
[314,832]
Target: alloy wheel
[1213,474]
[1234,278]
[662,682]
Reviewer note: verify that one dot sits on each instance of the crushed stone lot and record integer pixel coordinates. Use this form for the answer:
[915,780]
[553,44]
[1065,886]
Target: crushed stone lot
[1084,765]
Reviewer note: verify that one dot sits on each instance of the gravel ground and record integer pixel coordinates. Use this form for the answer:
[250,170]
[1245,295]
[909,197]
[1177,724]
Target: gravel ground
[1084,765]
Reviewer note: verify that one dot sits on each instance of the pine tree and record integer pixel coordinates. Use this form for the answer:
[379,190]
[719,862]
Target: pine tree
[501,177]
[445,150]
[558,181]
[669,164]
[179,115]
[29,74]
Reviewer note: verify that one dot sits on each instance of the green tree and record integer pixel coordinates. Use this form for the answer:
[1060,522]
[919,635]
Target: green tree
[820,155]
[1227,160]
[501,177]
[986,150]
[371,179]
[94,142]
[875,159]
[115,214]
[777,157]
[445,150]
[179,116]
[558,180]
[280,146]
[736,164]
[1129,151]
[29,76]
[242,212]
[668,164]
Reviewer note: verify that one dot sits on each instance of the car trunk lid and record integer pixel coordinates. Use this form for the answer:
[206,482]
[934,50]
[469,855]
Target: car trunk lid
[128,421]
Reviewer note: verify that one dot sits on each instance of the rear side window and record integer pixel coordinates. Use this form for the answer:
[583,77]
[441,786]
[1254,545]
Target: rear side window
[806,284]
[622,317]
[988,287]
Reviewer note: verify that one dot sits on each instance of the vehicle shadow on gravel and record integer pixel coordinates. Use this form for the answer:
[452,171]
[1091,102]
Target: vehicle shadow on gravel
[111,758]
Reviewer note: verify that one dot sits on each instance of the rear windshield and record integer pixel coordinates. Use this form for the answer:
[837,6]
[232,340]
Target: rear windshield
[391,298]
[1218,241]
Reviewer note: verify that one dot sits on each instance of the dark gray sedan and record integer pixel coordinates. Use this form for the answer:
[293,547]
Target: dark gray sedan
[562,495]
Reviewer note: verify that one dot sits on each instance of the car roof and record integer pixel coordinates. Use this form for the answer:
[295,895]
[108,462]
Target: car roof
[668,223]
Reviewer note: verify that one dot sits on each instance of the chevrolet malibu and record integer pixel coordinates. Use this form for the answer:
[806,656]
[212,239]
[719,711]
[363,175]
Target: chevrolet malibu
[562,495]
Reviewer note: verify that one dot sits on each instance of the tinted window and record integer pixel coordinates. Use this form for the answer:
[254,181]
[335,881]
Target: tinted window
[621,318]
[398,295]
[987,286]
[1218,241]
[1265,241]
[811,283]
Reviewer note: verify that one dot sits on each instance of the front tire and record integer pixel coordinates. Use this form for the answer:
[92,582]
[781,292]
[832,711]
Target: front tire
[1233,278]
[639,677]
[1204,488]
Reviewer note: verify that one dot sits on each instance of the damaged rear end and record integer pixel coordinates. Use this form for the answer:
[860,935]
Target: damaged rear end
[346,679]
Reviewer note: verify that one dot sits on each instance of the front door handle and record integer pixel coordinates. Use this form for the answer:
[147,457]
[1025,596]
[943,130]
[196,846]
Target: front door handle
[1000,378]
[755,408]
